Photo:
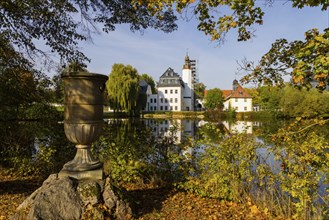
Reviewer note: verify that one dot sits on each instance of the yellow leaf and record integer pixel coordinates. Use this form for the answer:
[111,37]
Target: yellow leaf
[266,211]
[254,209]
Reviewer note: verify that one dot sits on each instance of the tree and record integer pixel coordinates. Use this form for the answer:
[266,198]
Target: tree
[20,86]
[150,81]
[269,98]
[214,99]
[293,102]
[306,61]
[239,14]
[123,88]
[58,88]
[56,22]
[311,103]
[199,89]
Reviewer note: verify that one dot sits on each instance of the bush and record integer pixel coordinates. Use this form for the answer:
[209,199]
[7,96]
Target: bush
[224,170]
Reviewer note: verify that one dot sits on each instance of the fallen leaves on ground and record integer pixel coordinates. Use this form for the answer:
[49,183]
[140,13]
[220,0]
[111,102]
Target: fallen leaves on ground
[148,203]
[14,190]
[170,204]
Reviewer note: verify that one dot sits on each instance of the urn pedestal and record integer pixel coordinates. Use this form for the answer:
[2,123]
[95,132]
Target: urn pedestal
[83,122]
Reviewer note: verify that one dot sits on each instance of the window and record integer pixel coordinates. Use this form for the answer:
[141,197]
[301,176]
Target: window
[161,108]
[166,91]
[170,100]
[176,108]
[176,91]
[245,108]
[151,108]
[155,108]
[170,108]
[166,108]
[161,100]
[176,100]
[166,100]
[155,100]
[245,99]
[171,91]
[236,108]
[151,100]
[236,100]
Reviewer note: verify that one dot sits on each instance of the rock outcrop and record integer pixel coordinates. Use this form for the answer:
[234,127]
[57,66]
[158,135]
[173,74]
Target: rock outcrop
[63,198]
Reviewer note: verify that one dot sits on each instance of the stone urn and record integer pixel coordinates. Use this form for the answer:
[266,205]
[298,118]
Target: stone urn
[83,122]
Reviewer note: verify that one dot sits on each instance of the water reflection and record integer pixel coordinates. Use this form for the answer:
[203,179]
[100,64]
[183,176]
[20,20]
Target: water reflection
[239,127]
[34,147]
[182,128]
[178,128]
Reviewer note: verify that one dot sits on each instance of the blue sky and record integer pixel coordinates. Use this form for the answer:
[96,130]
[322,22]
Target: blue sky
[153,52]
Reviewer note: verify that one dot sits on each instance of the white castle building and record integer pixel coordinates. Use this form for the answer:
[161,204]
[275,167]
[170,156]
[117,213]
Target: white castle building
[175,93]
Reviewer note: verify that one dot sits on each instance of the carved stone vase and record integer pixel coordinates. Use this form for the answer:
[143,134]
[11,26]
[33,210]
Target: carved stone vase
[83,122]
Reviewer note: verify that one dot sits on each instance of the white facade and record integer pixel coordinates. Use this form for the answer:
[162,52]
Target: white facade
[188,95]
[237,99]
[151,104]
[239,104]
[175,93]
[170,98]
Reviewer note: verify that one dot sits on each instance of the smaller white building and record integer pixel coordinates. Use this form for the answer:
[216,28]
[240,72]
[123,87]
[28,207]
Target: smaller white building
[237,99]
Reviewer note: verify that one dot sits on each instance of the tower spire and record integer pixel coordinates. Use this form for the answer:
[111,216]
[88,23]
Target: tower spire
[187,64]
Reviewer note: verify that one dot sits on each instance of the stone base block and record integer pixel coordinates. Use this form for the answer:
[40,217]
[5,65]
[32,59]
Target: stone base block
[96,174]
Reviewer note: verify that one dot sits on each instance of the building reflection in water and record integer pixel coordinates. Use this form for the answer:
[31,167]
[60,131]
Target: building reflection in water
[239,127]
[171,128]
[182,128]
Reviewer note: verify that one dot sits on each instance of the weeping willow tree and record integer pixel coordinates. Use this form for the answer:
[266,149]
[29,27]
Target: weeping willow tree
[123,88]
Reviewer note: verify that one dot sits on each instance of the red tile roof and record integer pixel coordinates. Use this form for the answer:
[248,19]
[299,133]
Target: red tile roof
[226,93]
[238,93]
